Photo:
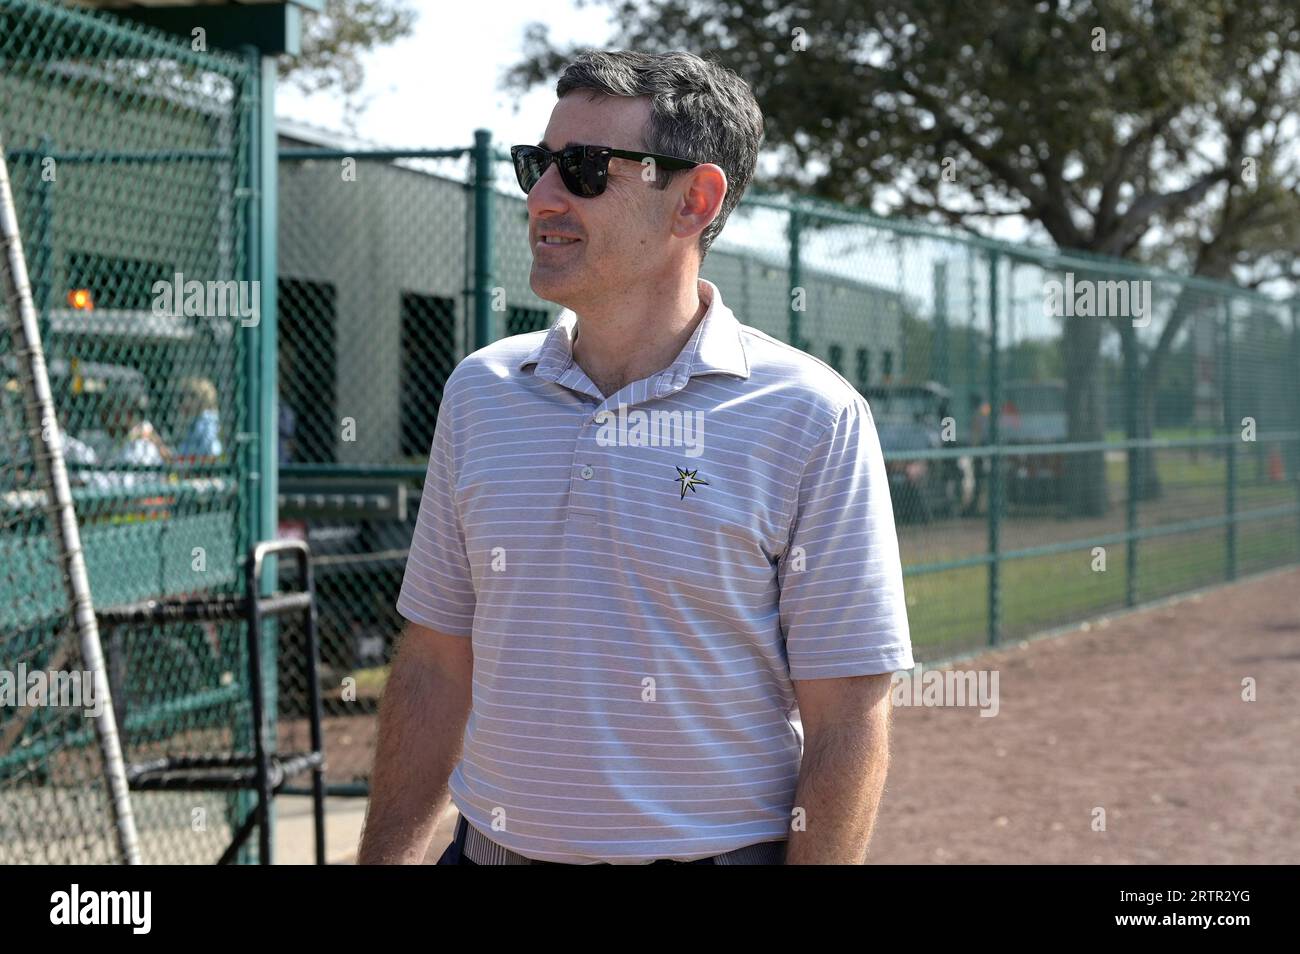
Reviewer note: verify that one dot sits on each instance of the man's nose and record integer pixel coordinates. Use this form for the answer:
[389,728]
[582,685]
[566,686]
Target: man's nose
[548,193]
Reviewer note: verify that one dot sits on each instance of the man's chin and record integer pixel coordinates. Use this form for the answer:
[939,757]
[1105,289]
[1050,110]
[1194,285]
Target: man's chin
[553,285]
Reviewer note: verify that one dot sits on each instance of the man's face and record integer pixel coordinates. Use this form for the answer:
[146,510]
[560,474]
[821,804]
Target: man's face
[623,233]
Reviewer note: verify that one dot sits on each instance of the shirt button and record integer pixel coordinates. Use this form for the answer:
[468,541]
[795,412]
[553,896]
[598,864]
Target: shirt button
[587,472]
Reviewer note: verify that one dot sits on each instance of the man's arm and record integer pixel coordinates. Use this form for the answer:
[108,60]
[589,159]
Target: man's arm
[421,728]
[845,759]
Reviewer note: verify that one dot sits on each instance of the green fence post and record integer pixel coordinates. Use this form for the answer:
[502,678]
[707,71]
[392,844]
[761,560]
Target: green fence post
[939,370]
[241,802]
[259,437]
[482,239]
[972,358]
[795,273]
[994,461]
[1295,439]
[970,400]
[268,506]
[1131,390]
[1231,428]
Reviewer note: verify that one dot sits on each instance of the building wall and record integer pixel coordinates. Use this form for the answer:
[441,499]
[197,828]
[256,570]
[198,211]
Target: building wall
[396,230]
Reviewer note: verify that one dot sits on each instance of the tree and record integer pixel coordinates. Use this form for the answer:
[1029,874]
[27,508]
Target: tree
[1164,132]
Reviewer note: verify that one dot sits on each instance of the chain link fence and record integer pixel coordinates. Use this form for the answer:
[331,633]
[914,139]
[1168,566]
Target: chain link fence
[129,157]
[1065,435]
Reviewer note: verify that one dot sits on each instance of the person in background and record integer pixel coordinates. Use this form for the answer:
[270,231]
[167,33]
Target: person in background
[76,451]
[134,438]
[287,427]
[979,430]
[132,441]
[286,419]
[199,406]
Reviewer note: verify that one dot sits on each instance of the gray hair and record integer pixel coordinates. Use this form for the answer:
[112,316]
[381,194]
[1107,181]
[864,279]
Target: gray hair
[698,110]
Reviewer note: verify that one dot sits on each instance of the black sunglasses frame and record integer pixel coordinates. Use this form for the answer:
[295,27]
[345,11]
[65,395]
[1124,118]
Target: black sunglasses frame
[583,168]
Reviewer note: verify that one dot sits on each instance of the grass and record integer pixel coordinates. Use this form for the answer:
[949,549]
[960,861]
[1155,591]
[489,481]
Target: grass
[1176,433]
[370,682]
[948,611]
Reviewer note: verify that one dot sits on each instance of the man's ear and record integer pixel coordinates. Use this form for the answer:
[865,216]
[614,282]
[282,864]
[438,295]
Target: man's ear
[701,200]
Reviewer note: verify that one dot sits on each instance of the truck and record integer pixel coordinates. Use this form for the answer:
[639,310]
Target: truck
[911,418]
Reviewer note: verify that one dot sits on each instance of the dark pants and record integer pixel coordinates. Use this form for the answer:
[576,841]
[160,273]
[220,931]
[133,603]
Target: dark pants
[455,853]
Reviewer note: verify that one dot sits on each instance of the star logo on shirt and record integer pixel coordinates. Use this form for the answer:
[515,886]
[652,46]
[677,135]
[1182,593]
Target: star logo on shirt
[688,480]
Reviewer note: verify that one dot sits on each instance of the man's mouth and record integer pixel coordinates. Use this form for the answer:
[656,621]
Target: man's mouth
[557,240]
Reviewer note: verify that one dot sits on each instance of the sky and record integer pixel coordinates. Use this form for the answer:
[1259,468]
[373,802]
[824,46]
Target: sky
[434,88]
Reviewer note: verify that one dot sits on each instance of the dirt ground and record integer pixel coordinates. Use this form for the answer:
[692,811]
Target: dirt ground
[1141,715]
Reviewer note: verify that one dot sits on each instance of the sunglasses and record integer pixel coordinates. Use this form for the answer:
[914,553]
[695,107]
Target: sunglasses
[582,168]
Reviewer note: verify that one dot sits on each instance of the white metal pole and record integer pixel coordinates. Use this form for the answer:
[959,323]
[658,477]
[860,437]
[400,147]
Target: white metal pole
[46,441]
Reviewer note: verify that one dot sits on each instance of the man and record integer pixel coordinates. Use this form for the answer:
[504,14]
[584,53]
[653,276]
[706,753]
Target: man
[979,435]
[621,617]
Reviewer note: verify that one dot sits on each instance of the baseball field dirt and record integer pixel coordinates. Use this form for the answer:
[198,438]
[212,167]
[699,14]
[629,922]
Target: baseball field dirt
[1142,716]
[1127,740]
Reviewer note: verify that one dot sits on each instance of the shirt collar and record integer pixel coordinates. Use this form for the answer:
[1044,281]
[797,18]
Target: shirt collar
[715,347]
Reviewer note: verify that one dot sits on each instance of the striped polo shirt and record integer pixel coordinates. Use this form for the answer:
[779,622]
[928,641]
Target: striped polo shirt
[642,576]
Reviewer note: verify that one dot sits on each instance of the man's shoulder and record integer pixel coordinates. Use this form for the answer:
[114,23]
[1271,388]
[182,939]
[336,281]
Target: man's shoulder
[797,376]
[495,362]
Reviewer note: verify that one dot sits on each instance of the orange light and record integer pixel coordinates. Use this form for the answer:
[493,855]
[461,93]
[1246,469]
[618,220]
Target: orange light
[80,300]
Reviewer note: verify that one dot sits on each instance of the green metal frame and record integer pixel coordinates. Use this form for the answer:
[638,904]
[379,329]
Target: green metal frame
[1230,428]
[254,84]
[995,472]
[1295,347]
[273,28]
[483,238]
[259,437]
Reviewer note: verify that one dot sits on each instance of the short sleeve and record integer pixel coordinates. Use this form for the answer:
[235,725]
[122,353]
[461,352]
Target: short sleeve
[843,612]
[203,438]
[437,588]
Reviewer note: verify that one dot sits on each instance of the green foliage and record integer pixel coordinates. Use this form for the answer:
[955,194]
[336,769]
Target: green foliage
[1136,150]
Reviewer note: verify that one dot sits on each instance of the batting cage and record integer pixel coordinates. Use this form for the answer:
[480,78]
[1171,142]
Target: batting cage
[130,166]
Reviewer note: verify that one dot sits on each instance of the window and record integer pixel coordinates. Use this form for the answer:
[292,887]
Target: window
[306,333]
[888,367]
[125,283]
[837,358]
[863,369]
[428,358]
[520,321]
